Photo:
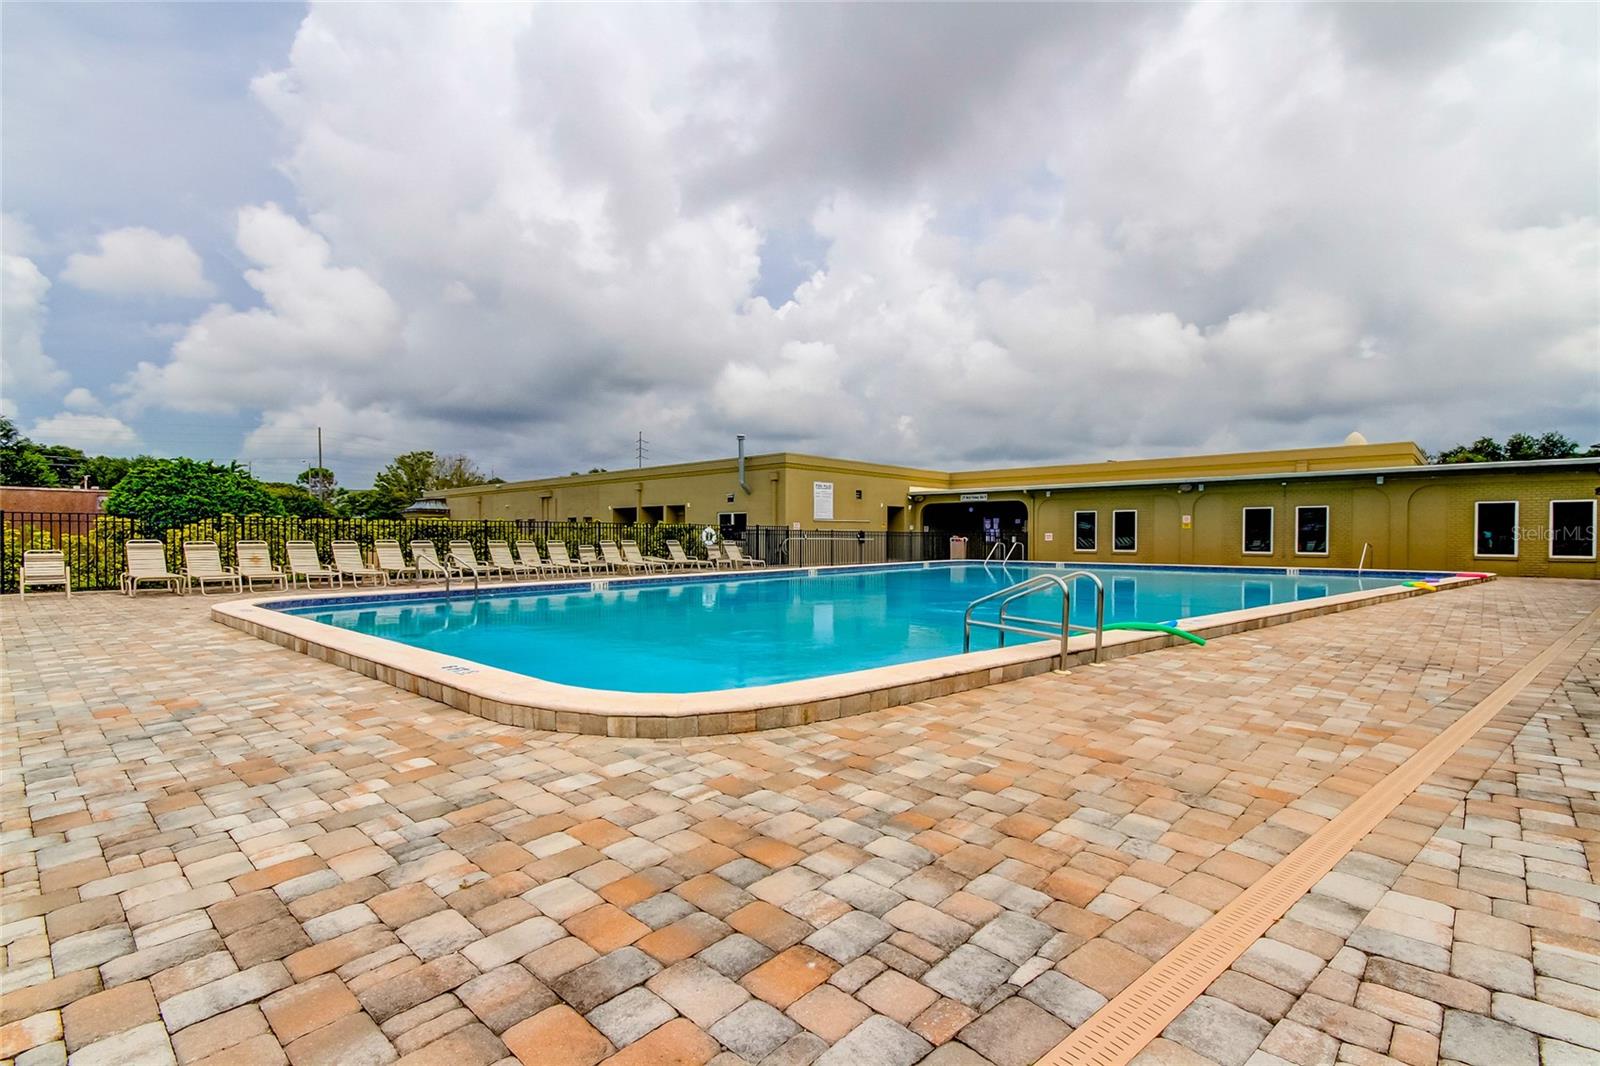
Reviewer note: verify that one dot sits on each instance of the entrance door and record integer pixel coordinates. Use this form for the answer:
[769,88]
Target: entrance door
[983,523]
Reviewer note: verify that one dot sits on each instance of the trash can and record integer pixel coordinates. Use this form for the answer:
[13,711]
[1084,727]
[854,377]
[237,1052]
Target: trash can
[958,547]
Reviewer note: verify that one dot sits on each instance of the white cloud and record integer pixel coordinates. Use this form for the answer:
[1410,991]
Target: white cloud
[320,322]
[1036,232]
[92,433]
[25,368]
[16,236]
[81,399]
[135,261]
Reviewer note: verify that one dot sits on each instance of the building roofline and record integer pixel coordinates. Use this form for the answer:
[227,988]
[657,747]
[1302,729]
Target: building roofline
[767,460]
[1289,475]
[1310,452]
[720,465]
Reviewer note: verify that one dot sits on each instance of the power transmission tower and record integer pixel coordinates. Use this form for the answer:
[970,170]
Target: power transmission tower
[641,449]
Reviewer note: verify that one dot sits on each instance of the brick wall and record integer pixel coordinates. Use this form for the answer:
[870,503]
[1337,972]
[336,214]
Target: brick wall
[68,501]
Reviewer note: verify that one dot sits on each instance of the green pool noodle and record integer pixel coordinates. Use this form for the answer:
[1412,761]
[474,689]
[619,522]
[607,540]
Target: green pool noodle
[1159,627]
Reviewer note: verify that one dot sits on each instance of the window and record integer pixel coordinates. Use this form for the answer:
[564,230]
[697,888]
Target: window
[732,523]
[1572,529]
[1258,531]
[1124,531]
[1495,531]
[1087,537]
[1311,531]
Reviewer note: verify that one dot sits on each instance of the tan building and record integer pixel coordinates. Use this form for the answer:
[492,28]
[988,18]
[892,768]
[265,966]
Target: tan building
[1378,505]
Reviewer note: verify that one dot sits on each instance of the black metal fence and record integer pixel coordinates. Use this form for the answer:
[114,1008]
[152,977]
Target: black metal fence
[93,544]
[782,546]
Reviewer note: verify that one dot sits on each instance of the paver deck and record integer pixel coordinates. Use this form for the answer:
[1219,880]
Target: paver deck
[215,850]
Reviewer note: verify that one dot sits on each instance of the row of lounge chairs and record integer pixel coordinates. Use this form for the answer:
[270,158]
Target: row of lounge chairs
[203,567]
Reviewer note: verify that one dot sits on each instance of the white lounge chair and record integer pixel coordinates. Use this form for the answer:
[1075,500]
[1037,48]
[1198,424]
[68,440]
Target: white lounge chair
[348,561]
[255,564]
[635,560]
[392,561]
[737,557]
[305,563]
[44,569]
[528,556]
[466,560]
[559,556]
[202,566]
[500,555]
[614,560]
[590,558]
[147,564]
[428,563]
[683,560]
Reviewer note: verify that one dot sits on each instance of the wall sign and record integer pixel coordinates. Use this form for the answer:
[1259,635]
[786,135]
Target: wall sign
[1188,521]
[1048,537]
[974,497]
[822,501]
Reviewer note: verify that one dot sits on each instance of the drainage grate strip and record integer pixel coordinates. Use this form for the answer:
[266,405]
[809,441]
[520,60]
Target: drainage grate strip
[1138,1014]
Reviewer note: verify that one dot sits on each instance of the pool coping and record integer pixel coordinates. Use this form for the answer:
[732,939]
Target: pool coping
[516,699]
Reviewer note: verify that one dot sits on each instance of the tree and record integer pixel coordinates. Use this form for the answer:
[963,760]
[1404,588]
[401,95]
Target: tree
[297,501]
[164,493]
[454,472]
[21,463]
[401,484]
[66,462]
[318,481]
[104,471]
[1519,447]
[363,503]
[1546,446]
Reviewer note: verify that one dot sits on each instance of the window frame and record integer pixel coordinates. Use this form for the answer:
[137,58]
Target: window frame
[1125,551]
[1594,534]
[1244,529]
[1327,528]
[1095,547]
[1477,528]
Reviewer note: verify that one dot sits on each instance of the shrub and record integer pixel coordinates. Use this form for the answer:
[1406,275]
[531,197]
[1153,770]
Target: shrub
[163,493]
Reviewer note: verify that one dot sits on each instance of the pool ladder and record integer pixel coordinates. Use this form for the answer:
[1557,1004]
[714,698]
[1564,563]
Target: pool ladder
[1005,556]
[462,565]
[1038,627]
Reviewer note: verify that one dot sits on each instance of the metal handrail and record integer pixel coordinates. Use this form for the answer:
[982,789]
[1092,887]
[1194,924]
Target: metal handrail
[995,547]
[464,566]
[1016,546]
[1362,565]
[1062,629]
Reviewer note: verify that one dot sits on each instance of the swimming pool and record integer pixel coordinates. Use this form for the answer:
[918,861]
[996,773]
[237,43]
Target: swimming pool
[715,633]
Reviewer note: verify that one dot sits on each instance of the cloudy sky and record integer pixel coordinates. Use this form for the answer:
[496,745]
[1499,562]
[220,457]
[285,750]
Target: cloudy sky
[958,235]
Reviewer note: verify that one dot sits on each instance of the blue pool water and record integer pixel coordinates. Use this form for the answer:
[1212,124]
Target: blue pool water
[695,636]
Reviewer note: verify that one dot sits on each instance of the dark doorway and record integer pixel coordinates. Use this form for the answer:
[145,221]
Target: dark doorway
[984,523]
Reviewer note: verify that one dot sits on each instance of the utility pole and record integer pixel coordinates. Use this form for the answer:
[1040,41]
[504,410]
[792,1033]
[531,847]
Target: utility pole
[322,482]
[640,447]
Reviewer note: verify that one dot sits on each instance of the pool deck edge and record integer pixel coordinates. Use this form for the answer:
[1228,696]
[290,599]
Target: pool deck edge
[516,699]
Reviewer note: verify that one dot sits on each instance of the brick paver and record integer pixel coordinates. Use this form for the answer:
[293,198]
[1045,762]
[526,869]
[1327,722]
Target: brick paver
[216,850]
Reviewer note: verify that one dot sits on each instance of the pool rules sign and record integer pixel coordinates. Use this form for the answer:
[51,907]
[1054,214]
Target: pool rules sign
[822,501]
